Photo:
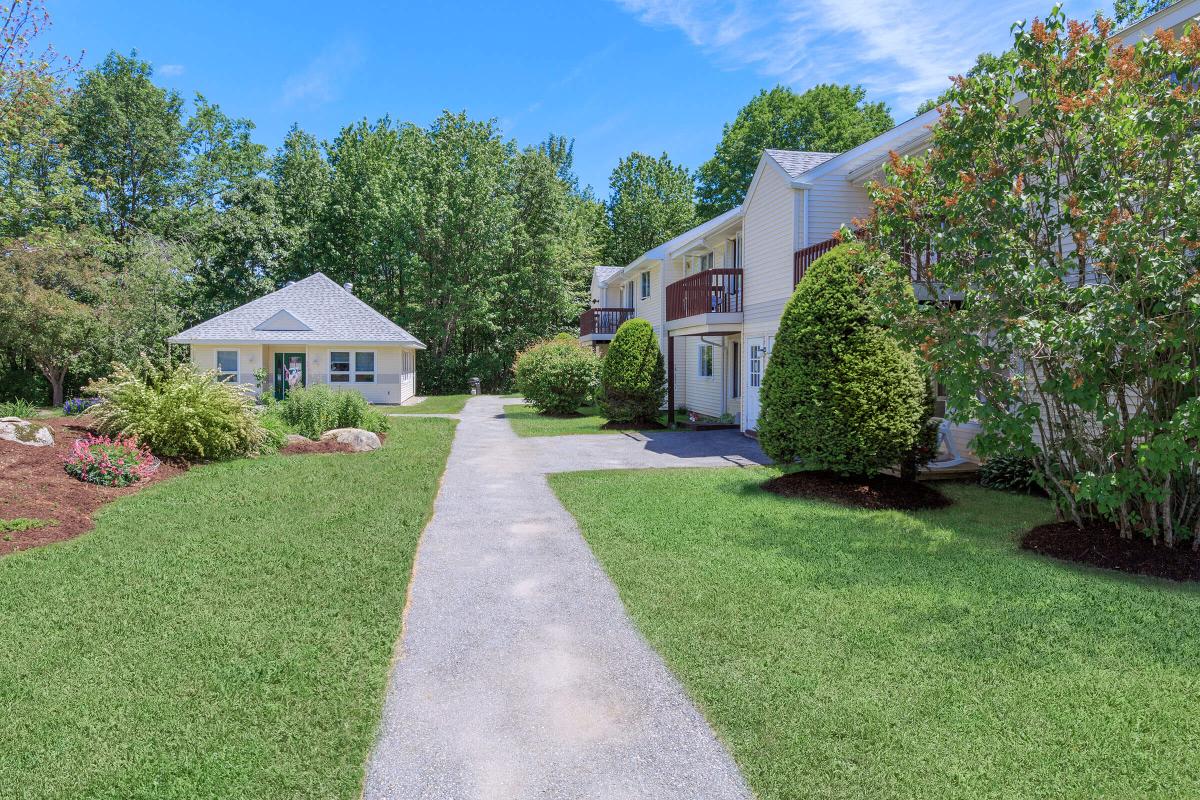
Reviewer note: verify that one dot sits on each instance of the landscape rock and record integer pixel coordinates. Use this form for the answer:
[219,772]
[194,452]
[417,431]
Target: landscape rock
[359,440]
[295,438]
[15,429]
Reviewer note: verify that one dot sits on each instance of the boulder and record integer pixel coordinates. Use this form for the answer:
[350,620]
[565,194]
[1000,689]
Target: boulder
[15,429]
[359,440]
[295,438]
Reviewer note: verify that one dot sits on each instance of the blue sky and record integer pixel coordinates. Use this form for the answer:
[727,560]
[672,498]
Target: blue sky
[617,75]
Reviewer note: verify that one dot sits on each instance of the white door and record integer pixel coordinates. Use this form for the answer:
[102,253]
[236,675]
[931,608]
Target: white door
[756,364]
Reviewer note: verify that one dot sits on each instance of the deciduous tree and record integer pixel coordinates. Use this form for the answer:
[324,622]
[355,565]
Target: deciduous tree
[826,118]
[1054,227]
[650,200]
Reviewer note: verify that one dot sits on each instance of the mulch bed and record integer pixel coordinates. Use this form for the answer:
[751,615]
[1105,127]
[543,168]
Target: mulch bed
[1100,545]
[309,446]
[877,493]
[34,485]
[633,426]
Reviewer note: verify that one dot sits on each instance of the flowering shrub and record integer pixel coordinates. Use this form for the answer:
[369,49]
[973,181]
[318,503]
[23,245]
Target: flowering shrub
[108,462]
[1056,218]
[78,405]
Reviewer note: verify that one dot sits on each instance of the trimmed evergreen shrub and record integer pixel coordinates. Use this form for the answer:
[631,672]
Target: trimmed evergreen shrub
[557,375]
[633,379]
[839,393]
[178,412]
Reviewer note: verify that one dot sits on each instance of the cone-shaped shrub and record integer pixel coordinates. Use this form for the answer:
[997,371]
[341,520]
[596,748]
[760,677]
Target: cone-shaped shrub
[556,375]
[633,379]
[839,392]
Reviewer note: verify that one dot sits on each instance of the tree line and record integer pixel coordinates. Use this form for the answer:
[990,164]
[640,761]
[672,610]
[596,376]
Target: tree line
[128,213]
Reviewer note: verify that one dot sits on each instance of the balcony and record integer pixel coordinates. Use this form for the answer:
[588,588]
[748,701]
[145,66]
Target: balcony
[599,324]
[713,297]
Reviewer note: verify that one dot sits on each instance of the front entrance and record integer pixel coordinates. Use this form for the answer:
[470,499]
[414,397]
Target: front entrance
[290,373]
[756,363]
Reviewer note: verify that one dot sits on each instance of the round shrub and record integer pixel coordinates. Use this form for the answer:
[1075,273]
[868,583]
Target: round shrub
[179,412]
[313,410]
[557,375]
[633,379]
[839,393]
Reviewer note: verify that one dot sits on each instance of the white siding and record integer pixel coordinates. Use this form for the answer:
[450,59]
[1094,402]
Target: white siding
[832,203]
[769,249]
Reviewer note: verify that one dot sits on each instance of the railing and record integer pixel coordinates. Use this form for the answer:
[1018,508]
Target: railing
[805,258]
[603,320]
[713,291]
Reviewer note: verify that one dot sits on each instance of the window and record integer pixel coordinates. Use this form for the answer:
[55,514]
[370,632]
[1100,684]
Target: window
[339,367]
[364,367]
[705,360]
[704,262]
[645,285]
[227,365]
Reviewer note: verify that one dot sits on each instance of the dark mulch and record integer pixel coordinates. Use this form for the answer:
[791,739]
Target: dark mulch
[1100,545]
[877,493]
[309,446]
[34,485]
[634,426]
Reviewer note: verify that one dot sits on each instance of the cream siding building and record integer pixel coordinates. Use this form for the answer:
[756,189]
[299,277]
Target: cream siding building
[309,332]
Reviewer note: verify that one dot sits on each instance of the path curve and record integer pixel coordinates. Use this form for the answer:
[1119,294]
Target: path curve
[520,675]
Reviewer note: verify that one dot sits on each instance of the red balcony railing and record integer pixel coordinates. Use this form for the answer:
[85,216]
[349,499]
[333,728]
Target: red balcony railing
[714,291]
[603,320]
[805,258]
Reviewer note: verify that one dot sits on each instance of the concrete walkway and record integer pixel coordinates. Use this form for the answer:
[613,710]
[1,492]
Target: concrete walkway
[520,675]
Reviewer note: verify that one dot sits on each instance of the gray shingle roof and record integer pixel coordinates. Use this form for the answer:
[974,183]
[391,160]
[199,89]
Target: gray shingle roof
[798,162]
[331,313]
[601,274]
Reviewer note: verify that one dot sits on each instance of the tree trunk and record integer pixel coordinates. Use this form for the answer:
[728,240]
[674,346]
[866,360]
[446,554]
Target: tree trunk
[57,376]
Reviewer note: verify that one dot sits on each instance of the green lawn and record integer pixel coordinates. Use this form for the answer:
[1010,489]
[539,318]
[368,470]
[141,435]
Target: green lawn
[528,422]
[850,654]
[227,633]
[435,404]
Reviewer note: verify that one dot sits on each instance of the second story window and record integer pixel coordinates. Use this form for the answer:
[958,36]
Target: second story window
[645,285]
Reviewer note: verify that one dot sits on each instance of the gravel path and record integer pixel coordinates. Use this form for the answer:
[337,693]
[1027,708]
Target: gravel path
[520,675]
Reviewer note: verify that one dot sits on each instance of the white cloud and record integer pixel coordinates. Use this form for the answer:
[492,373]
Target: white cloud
[902,51]
[321,80]
[170,70]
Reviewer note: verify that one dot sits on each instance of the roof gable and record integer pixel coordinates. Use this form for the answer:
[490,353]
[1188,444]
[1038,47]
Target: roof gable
[282,320]
[312,311]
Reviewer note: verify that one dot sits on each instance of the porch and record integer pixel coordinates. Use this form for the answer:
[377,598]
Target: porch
[600,324]
[712,297]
